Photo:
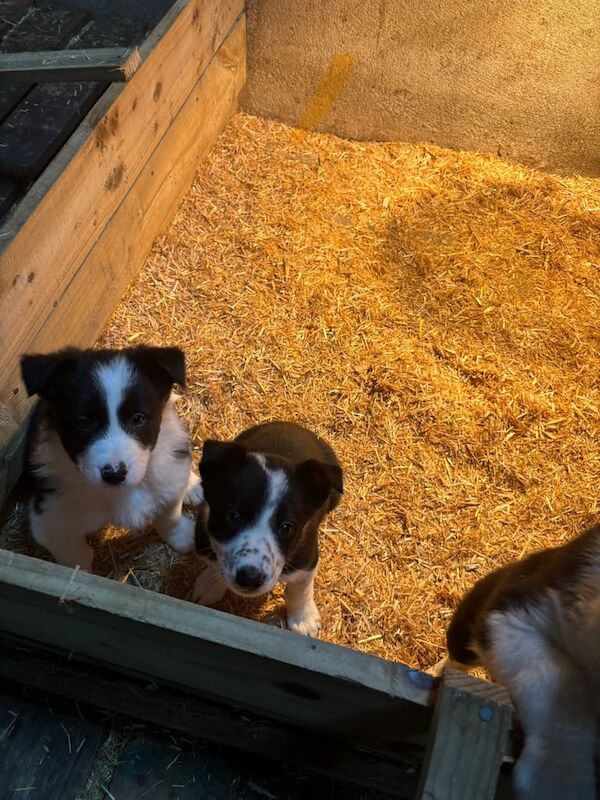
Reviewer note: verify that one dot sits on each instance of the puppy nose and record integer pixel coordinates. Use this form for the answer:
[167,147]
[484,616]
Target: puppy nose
[114,474]
[249,578]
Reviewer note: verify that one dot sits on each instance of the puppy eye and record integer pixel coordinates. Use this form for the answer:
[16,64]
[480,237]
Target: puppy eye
[233,517]
[83,423]
[287,528]
[138,420]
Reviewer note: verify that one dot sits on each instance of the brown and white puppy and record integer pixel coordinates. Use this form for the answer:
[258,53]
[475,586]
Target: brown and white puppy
[106,446]
[535,625]
[266,493]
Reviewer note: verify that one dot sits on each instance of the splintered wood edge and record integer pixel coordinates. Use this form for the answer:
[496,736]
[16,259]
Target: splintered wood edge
[131,64]
[114,64]
[492,693]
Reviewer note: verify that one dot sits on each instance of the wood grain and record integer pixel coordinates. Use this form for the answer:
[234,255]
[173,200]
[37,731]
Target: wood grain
[468,741]
[76,205]
[110,64]
[220,723]
[274,673]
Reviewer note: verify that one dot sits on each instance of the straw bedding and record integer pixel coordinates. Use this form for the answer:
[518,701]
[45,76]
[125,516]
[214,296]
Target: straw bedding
[432,314]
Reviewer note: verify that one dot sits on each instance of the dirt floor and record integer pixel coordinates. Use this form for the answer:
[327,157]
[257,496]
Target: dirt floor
[432,314]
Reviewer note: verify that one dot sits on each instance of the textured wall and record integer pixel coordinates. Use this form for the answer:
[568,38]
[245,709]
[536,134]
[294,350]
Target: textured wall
[520,78]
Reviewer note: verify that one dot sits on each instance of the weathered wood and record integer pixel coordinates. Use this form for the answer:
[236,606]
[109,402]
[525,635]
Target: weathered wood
[44,753]
[219,723]
[89,180]
[112,31]
[109,64]
[41,124]
[278,674]
[38,29]
[43,29]
[10,96]
[9,191]
[124,244]
[142,767]
[468,740]
[11,13]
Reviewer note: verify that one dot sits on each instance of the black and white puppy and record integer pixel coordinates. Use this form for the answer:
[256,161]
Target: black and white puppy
[266,493]
[535,625]
[106,446]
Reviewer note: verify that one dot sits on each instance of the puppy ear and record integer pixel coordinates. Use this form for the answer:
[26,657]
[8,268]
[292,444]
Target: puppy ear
[318,478]
[167,362]
[41,373]
[220,456]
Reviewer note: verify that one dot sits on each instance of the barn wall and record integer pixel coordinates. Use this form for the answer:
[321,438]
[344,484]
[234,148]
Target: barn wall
[521,78]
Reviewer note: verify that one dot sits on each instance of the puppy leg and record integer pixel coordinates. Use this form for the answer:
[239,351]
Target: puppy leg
[194,494]
[302,613]
[175,529]
[66,546]
[555,705]
[209,586]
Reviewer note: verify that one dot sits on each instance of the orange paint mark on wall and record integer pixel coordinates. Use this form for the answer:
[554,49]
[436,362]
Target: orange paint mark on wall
[331,84]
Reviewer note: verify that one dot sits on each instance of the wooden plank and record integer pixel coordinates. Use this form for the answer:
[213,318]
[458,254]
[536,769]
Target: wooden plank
[469,738]
[124,244]
[110,64]
[90,177]
[44,29]
[39,29]
[9,191]
[147,765]
[112,31]
[44,753]
[32,135]
[12,12]
[219,723]
[11,96]
[278,674]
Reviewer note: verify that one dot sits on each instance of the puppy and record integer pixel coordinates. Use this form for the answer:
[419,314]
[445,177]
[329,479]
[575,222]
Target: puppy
[106,446]
[535,625]
[266,493]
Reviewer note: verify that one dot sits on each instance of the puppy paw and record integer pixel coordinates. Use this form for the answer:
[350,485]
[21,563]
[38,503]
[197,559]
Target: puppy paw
[194,495]
[209,587]
[182,538]
[306,620]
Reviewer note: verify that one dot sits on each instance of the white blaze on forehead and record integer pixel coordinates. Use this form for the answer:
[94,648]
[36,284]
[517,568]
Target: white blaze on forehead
[257,545]
[114,445]
[277,485]
[113,379]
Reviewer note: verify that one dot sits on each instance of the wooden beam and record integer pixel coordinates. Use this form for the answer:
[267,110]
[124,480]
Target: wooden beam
[123,245]
[112,64]
[194,716]
[275,674]
[44,752]
[468,740]
[41,253]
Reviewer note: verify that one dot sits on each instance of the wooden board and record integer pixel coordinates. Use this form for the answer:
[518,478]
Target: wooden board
[89,181]
[111,64]
[124,244]
[12,12]
[468,741]
[219,723]
[281,675]
[164,771]
[44,753]
[34,132]
[38,29]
